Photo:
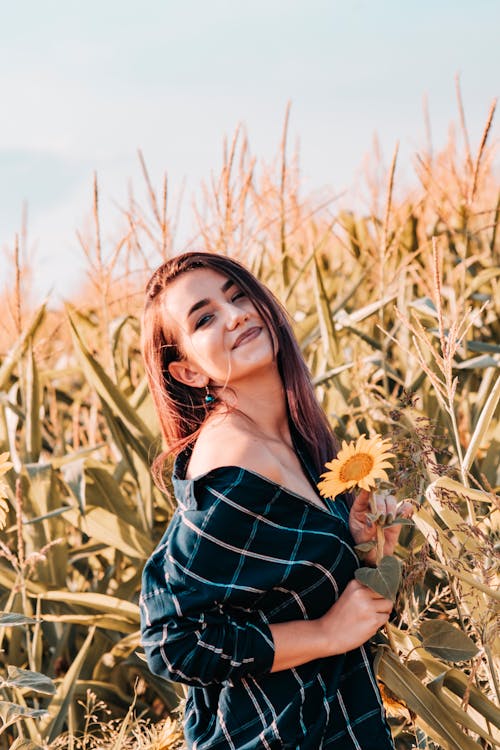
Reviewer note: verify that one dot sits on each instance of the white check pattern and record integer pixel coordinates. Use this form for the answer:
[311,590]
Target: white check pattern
[242,552]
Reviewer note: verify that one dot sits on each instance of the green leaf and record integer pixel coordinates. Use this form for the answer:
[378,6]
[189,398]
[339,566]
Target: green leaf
[483,346]
[343,319]
[482,425]
[33,422]
[23,744]
[461,717]
[417,667]
[326,326]
[58,706]
[444,640]
[477,363]
[384,579]
[425,306]
[432,715]
[365,546]
[9,712]
[106,622]
[17,351]
[111,394]
[112,531]
[95,602]
[459,683]
[12,619]
[25,678]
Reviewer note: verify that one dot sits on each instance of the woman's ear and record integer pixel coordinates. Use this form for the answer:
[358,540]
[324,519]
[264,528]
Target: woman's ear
[184,373]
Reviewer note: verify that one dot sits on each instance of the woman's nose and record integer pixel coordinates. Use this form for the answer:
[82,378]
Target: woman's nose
[235,316]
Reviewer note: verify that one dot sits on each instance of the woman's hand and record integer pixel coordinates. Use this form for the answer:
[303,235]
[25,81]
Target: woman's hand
[363,530]
[357,615]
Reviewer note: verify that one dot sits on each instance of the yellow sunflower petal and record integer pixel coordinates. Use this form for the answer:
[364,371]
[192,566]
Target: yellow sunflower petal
[5,465]
[358,463]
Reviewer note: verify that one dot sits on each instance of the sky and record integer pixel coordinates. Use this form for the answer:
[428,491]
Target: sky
[83,85]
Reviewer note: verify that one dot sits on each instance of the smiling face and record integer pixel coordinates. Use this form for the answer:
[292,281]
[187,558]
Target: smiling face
[219,331]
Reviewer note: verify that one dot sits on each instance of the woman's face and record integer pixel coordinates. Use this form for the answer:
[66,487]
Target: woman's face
[222,336]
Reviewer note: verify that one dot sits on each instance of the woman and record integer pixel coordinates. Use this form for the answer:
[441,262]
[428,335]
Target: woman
[250,597]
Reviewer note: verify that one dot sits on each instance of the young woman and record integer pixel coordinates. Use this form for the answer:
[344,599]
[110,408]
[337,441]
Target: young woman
[250,597]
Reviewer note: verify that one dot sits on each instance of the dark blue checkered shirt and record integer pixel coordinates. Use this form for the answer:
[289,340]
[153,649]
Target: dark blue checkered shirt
[241,552]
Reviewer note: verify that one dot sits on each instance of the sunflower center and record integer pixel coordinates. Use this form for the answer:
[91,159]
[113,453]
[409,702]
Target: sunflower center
[356,467]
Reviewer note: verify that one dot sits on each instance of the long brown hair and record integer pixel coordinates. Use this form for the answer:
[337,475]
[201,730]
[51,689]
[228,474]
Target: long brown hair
[182,409]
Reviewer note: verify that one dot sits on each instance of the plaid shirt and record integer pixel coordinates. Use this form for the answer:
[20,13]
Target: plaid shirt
[241,552]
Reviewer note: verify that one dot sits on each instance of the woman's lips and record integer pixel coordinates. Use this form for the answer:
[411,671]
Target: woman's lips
[248,335]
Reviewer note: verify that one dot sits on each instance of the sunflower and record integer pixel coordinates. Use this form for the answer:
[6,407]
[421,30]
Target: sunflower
[359,463]
[4,468]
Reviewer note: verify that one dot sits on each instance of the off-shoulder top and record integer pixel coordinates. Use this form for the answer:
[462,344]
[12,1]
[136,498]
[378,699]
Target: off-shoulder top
[240,553]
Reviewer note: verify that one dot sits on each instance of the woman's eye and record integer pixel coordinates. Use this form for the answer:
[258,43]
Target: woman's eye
[202,321]
[237,296]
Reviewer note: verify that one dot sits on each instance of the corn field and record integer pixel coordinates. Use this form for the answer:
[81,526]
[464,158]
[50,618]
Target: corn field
[396,309]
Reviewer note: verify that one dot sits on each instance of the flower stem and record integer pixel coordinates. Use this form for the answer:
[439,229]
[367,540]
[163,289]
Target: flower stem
[380,543]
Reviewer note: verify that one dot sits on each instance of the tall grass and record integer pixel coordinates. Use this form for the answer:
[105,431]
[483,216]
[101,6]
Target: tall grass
[397,312]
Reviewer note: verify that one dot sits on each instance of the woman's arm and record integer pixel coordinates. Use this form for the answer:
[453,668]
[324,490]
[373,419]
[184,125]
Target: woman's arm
[350,622]
[187,635]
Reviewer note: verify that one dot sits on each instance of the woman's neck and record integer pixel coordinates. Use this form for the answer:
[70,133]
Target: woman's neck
[262,401]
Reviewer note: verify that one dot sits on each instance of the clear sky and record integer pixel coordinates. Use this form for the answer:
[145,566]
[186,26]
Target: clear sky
[83,85]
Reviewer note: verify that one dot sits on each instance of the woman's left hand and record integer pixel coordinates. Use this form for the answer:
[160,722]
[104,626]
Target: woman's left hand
[364,531]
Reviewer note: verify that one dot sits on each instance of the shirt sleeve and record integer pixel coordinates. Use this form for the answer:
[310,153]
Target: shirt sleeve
[199,619]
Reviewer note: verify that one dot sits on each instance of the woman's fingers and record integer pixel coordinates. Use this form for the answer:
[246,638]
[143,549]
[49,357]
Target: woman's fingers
[386,504]
[405,509]
[362,501]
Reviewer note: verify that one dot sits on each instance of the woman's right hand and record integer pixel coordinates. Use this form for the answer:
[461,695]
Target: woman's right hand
[354,618]
[356,615]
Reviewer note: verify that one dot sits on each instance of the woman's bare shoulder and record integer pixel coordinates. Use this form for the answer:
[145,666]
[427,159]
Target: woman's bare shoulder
[230,442]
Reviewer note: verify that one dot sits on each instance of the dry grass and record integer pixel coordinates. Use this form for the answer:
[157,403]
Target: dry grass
[397,311]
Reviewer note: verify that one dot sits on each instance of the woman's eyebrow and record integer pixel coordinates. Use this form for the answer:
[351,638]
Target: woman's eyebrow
[203,302]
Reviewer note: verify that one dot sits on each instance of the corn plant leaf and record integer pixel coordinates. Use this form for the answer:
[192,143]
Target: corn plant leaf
[482,278]
[461,717]
[33,422]
[127,445]
[450,485]
[58,706]
[425,306]
[482,425]
[417,667]
[453,679]
[107,622]
[384,579]
[45,493]
[125,440]
[327,329]
[483,346]
[25,678]
[458,682]
[112,531]
[45,517]
[110,393]
[99,488]
[344,319]
[8,579]
[17,351]
[95,602]
[23,744]
[444,640]
[477,363]
[431,713]
[13,619]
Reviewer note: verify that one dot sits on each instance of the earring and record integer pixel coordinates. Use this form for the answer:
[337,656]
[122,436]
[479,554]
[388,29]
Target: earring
[209,399]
